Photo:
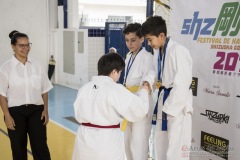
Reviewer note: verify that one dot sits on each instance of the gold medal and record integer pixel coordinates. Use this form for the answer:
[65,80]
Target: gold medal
[158,84]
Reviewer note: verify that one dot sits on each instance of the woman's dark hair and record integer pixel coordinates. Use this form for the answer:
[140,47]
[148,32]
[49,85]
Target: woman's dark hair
[108,62]
[14,35]
[133,27]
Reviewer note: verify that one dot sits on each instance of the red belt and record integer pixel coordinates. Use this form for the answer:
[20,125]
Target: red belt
[97,126]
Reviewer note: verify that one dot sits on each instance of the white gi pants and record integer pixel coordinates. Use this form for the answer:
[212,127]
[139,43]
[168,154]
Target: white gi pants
[136,139]
[136,136]
[174,143]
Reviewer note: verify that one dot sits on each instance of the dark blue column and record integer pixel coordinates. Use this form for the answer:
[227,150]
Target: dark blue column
[149,8]
[65,13]
[60,2]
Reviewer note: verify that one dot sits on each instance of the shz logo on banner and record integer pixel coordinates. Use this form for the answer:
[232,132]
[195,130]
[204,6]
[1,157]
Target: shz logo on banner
[228,20]
[205,30]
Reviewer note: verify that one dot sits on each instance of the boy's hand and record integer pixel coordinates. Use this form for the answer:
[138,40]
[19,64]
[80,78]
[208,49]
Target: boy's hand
[146,86]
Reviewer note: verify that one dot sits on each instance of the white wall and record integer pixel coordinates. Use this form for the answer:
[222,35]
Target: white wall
[80,76]
[96,47]
[30,17]
[73,16]
[85,63]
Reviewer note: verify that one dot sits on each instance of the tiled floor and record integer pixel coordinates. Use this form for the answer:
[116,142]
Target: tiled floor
[60,103]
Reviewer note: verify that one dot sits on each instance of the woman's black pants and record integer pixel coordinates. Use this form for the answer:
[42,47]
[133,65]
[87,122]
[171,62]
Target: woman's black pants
[28,122]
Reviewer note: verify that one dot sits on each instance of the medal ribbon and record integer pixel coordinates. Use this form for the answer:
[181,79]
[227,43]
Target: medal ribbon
[166,91]
[160,65]
[161,62]
[130,62]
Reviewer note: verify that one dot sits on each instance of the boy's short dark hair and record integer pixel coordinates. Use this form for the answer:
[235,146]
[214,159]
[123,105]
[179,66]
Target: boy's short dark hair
[133,27]
[154,25]
[108,62]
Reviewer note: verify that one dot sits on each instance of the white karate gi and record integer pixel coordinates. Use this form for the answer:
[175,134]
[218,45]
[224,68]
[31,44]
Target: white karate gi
[177,74]
[137,134]
[104,102]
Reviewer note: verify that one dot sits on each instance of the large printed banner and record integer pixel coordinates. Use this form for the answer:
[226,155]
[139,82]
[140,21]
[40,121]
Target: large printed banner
[210,29]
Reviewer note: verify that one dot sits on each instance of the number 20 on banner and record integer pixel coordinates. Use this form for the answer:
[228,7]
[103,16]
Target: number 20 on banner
[227,61]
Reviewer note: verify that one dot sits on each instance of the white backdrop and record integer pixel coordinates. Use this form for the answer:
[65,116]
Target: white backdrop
[210,30]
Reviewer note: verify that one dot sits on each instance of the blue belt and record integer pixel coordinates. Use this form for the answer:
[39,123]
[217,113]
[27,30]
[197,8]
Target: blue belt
[164,115]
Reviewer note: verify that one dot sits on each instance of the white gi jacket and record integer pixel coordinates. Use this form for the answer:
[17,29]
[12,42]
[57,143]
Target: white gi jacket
[141,70]
[137,134]
[177,75]
[104,102]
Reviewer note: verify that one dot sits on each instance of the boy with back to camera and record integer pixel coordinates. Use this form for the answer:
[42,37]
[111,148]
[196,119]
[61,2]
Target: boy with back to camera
[139,70]
[100,106]
[173,66]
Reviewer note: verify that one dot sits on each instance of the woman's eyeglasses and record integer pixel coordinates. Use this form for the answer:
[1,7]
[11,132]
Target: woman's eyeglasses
[24,45]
